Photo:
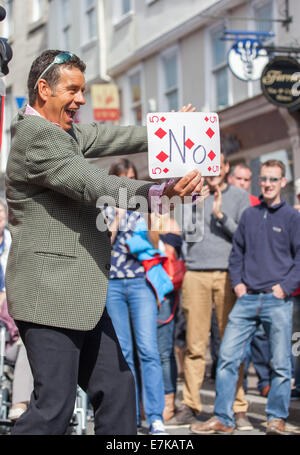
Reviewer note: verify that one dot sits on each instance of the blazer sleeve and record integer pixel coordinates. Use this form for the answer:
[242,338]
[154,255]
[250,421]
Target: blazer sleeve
[109,140]
[54,160]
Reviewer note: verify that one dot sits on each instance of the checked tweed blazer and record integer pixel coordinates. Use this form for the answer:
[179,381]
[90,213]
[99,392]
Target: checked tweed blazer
[58,265]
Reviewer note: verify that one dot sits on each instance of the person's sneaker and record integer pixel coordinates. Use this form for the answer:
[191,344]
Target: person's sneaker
[211,426]
[276,427]
[183,416]
[157,427]
[242,422]
[295,394]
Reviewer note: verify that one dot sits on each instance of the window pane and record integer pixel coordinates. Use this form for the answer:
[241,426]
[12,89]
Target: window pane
[65,12]
[135,88]
[125,6]
[92,24]
[170,64]
[222,87]
[67,38]
[137,113]
[90,3]
[173,100]
[38,9]
[264,12]
[219,48]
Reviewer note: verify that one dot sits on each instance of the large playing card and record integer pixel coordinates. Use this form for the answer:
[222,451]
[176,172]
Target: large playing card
[181,141]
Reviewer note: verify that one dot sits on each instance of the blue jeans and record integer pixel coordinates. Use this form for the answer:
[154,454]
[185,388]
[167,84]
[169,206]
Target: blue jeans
[296,339]
[166,333]
[259,355]
[131,301]
[276,317]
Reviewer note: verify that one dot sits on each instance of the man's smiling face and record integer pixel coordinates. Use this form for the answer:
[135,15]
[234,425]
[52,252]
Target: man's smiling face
[271,182]
[64,101]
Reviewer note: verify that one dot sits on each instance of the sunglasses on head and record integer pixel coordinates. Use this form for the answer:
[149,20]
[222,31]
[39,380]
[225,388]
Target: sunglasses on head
[63,57]
[270,179]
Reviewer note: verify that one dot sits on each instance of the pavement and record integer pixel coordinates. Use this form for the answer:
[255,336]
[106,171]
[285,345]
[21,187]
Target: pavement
[256,410]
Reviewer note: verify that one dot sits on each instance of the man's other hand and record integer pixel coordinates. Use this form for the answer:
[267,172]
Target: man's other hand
[240,289]
[191,183]
[278,292]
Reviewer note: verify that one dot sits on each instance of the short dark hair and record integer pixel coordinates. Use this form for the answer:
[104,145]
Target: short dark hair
[274,163]
[53,75]
[241,165]
[122,166]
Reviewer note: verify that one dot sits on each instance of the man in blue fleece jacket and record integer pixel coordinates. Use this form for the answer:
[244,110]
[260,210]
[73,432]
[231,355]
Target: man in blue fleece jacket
[264,269]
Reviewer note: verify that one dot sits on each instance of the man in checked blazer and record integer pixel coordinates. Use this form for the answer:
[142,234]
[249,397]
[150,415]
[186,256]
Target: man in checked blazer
[59,261]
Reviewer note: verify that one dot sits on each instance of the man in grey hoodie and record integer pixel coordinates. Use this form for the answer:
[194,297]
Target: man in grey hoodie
[206,281]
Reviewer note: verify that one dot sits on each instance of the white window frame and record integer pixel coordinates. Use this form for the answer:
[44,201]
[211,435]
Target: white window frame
[38,10]
[259,3]
[209,77]
[120,18]
[130,106]
[254,86]
[162,90]
[65,26]
[86,10]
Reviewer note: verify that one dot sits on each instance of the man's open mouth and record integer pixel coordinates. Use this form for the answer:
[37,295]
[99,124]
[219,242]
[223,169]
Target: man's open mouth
[71,113]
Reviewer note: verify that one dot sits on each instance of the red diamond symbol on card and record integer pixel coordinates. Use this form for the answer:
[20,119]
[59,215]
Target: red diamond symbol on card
[206,119]
[212,155]
[166,170]
[209,168]
[162,156]
[163,119]
[189,144]
[160,133]
[210,133]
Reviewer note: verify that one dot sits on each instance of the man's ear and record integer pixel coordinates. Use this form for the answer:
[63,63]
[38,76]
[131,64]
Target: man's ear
[227,167]
[44,90]
[283,182]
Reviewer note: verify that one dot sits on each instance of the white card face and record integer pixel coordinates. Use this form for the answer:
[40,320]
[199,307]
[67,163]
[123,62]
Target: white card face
[179,142]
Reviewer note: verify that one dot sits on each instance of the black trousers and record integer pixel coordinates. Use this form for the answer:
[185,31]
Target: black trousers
[62,358]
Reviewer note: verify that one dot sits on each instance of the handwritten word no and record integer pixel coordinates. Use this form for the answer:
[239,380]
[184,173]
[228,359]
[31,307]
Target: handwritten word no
[199,153]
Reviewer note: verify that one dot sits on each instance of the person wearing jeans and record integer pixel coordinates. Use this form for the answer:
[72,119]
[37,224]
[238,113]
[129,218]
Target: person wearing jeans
[276,316]
[132,307]
[295,392]
[264,268]
[132,301]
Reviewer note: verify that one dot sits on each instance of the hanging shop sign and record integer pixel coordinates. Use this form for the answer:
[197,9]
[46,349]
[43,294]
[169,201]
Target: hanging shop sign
[105,102]
[246,59]
[280,82]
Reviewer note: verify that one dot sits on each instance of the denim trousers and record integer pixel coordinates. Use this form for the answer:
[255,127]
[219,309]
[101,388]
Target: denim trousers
[296,340]
[259,354]
[132,306]
[276,317]
[166,335]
